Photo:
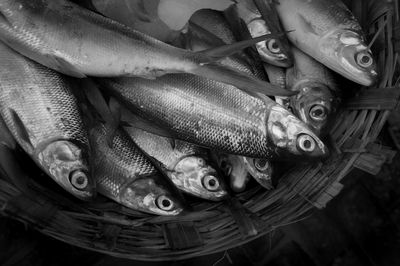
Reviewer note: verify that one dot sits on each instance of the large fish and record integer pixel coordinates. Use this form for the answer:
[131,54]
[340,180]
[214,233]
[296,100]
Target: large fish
[124,174]
[39,109]
[316,103]
[328,31]
[206,113]
[78,42]
[184,163]
[245,13]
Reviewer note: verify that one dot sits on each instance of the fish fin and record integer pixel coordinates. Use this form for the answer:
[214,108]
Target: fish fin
[245,82]
[21,130]
[130,119]
[226,50]
[65,67]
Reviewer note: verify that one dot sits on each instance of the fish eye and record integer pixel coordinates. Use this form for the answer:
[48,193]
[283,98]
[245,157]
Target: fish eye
[164,203]
[306,143]
[318,112]
[273,46]
[261,164]
[78,179]
[211,183]
[364,59]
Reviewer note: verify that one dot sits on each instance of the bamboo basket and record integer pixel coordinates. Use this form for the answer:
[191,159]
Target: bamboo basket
[109,228]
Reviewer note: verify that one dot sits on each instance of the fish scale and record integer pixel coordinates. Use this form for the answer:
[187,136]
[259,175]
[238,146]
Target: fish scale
[216,116]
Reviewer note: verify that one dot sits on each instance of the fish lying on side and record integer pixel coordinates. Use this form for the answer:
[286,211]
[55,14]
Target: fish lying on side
[42,114]
[327,31]
[209,29]
[316,103]
[78,42]
[125,175]
[184,163]
[239,169]
[246,14]
[205,113]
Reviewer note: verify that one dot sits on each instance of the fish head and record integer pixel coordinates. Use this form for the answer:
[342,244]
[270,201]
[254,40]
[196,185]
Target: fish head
[149,195]
[292,137]
[233,166]
[315,105]
[272,50]
[345,52]
[66,163]
[260,169]
[195,176]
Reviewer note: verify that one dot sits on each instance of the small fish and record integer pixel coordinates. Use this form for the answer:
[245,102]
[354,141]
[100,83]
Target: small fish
[277,76]
[208,114]
[183,162]
[78,42]
[327,31]
[316,103]
[125,175]
[261,170]
[42,114]
[232,166]
[273,51]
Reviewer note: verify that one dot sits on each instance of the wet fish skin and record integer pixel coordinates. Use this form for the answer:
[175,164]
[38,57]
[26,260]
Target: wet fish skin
[78,42]
[233,167]
[40,111]
[327,31]
[317,102]
[271,51]
[125,175]
[210,115]
[261,170]
[184,164]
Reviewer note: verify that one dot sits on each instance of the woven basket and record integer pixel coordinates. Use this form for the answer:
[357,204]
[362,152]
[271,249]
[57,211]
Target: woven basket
[109,228]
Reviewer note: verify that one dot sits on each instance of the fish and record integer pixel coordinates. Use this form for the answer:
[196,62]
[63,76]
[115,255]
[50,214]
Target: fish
[207,114]
[327,31]
[245,18]
[39,109]
[233,167]
[277,76]
[317,101]
[6,137]
[240,168]
[184,163]
[124,174]
[209,29]
[78,42]
[261,170]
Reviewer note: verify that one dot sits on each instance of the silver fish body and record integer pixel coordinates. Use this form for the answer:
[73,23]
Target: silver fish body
[261,170]
[270,51]
[124,174]
[78,42]
[316,103]
[184,164]
[41,112]
[328,31]
[213,115]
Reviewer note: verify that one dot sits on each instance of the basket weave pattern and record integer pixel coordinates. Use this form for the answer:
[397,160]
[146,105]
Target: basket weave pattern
[212,227]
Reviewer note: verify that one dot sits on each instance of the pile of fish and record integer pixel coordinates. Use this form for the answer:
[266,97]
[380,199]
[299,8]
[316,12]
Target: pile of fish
[102,106]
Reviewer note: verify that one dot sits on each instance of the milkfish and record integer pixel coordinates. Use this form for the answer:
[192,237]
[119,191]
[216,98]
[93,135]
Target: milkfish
[78,42]
[327,31]
[42,114]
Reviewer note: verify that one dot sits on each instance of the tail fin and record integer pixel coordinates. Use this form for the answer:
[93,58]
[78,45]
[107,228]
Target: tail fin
[245,82]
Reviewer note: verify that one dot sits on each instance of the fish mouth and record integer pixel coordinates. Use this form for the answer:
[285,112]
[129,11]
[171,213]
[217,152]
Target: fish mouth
[65,163]
[147,196]
[345,52]
[315,105]
[292,137]
[194,176]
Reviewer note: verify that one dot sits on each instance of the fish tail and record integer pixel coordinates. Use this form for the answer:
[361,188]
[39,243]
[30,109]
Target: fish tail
[243,81]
